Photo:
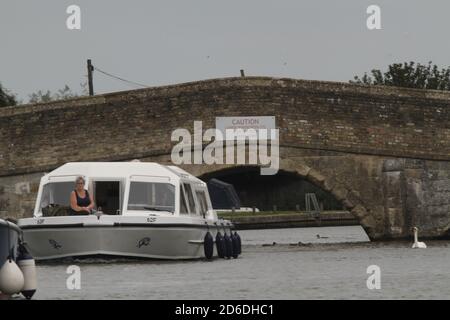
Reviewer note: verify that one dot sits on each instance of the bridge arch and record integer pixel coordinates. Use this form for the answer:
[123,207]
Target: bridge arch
[343,193]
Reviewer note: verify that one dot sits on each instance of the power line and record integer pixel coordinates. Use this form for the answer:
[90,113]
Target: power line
[119,78]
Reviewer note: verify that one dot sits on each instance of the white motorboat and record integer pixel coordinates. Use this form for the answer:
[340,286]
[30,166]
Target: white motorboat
[143,209]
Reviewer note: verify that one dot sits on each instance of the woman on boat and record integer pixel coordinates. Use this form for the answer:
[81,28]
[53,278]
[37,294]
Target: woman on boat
[81,201]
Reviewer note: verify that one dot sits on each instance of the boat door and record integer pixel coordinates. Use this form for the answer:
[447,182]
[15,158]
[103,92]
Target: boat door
[108,195]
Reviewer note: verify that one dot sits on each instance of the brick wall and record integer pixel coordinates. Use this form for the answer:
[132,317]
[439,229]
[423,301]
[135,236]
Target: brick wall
[310,114]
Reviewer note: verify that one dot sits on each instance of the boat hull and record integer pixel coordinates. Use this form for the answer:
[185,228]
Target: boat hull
[144,240]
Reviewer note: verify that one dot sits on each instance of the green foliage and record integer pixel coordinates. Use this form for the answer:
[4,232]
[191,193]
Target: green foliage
[9,99]
[47,96]
[62,94]
[409,75]
[6,98]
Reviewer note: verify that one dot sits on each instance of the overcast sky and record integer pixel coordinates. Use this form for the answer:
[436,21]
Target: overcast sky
[171,41]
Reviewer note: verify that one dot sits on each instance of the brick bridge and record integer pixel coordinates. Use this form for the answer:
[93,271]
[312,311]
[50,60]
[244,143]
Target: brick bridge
[383,152]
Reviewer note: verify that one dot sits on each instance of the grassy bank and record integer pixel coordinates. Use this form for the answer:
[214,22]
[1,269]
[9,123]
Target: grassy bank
[230,215]
[288,219]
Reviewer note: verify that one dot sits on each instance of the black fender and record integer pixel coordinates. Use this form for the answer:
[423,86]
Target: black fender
[228,246]
[238,242]
[235,244]
[208,245]
[220,245]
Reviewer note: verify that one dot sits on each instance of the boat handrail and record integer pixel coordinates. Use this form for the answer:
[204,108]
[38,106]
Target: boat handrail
[10,225]
[66,175]
[149,176]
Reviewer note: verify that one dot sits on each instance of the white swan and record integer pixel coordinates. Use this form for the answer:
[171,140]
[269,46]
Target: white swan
[417,244]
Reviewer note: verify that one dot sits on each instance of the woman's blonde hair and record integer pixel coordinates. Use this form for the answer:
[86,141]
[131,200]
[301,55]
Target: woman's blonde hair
[80,178]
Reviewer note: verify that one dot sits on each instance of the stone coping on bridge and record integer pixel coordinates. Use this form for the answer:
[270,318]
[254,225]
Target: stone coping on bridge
[253,81]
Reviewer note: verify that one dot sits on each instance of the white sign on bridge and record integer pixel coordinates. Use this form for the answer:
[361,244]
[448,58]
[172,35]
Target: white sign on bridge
[251,122]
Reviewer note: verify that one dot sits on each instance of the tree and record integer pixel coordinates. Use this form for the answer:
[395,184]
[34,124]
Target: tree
[61,94]
[6,98]
[40,96]
[409,75]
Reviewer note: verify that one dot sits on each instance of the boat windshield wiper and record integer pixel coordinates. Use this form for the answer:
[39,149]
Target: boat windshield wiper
[154,209]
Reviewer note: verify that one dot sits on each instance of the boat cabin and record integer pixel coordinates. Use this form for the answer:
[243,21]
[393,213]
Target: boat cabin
[125,188]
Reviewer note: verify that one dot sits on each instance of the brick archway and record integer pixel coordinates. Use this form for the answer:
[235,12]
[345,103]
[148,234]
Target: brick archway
[347,196]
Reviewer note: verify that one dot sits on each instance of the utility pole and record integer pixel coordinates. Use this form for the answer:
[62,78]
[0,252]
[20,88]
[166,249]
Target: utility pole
[90,82]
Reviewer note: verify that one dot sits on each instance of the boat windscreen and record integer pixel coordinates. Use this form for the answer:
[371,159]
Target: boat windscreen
[56,195]
[151,196]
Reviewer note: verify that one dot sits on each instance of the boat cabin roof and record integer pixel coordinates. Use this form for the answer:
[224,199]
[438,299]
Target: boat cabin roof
[119,170]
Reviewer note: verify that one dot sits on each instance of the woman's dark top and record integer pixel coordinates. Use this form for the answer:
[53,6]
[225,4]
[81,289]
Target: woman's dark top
[83,202]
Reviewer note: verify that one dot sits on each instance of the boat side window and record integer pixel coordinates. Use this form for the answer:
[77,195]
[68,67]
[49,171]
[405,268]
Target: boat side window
[55,199]
[201,197]
[151,196]
[183,206]
[190,196]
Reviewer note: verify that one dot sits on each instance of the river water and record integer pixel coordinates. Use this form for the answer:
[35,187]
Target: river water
[333,266]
